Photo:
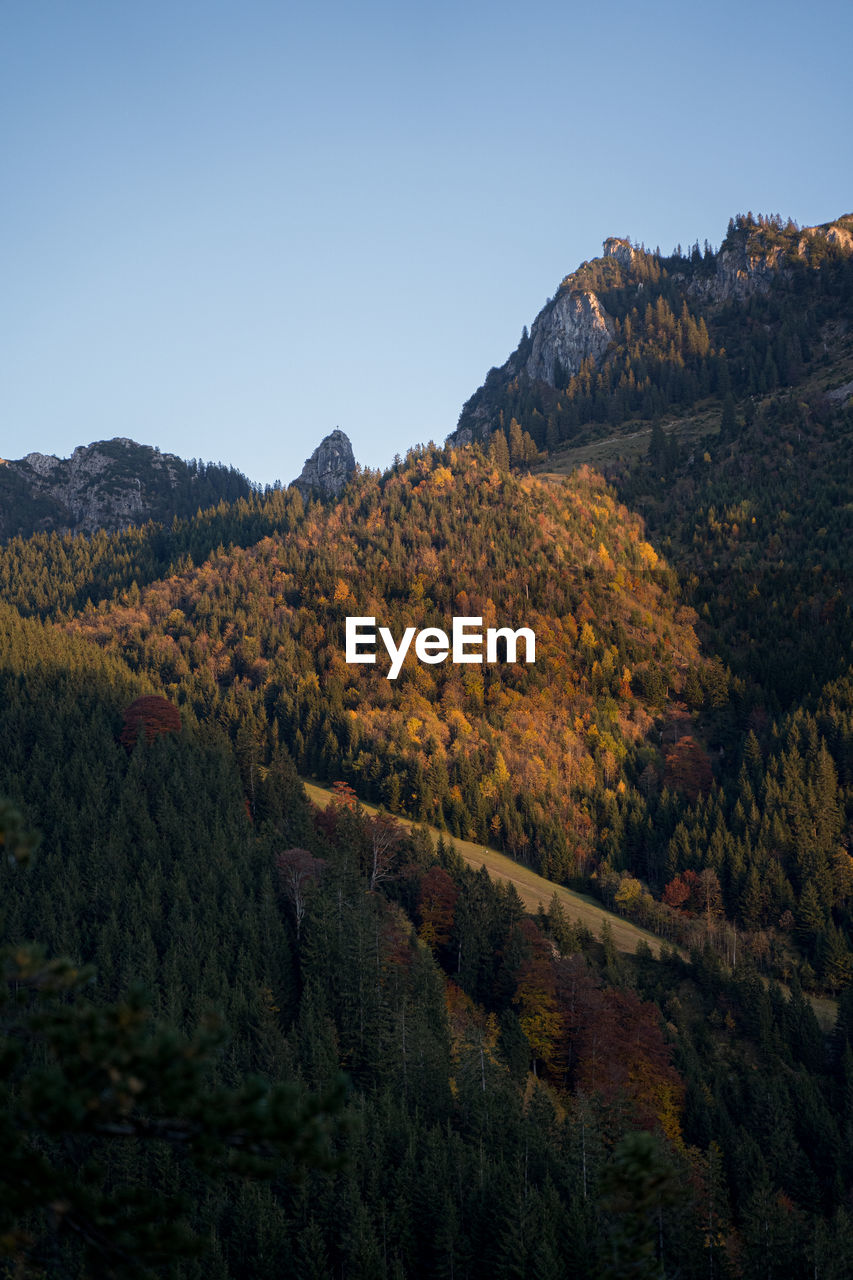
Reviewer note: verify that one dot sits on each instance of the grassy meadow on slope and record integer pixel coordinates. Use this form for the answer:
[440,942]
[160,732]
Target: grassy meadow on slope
[534,890]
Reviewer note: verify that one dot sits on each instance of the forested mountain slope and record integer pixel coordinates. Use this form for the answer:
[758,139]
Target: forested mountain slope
[755,514]
[714,392]
[256,634]
[501,1071]
[622,760]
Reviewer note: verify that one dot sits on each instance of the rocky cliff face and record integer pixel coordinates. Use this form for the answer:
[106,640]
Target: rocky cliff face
[329,467]
[108,485]
[836,235]
[575,327]
[572,327]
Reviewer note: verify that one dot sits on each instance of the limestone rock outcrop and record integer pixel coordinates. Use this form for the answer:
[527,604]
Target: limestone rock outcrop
[107,485]
[621,249]
[570,328]
[573,328]
[741,270]
[329,468]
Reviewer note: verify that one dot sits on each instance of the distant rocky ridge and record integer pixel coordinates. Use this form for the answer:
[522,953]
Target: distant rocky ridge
[107,485]
[112,484]
[329,468]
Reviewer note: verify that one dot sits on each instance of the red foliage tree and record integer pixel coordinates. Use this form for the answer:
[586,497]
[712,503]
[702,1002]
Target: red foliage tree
[153,714]
[344,796]
[695,893]
[619,1052]
[679,891]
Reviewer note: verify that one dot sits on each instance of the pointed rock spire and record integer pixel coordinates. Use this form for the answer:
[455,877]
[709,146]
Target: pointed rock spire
[329,467]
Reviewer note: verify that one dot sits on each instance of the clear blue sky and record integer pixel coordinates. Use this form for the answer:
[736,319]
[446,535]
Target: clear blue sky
[228,228]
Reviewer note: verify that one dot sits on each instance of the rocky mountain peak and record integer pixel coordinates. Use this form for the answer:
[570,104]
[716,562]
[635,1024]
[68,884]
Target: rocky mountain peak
[329,467]
[621,249]
[571,328]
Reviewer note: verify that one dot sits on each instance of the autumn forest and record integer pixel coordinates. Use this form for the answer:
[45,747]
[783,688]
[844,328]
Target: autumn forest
[248,1033]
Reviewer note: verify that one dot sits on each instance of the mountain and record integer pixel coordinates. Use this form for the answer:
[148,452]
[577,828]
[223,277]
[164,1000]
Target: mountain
[719,406]
[108,485]
[114,484]
[634,335]
[714,391]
